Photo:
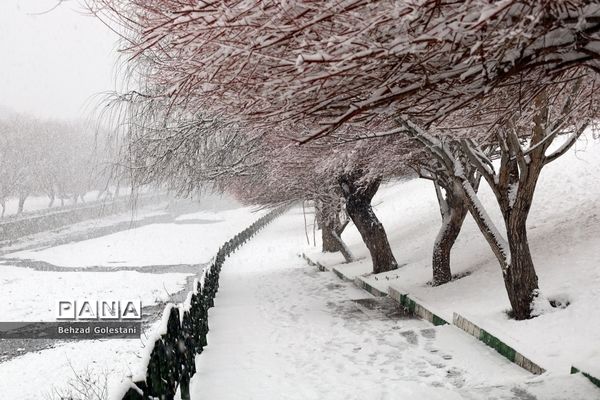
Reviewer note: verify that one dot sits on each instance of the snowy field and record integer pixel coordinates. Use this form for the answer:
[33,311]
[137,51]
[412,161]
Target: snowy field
[189,239]
[282,330]
[41,203]
[30,294]
[564,234]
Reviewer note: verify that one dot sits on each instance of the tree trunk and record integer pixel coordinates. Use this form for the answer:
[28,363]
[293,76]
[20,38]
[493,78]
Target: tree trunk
[52,198]
[3,204]
[343,248]
[520,278]
[328,217]
[21,206]
[453,209]
[332,228]
[358,206]
[447,235]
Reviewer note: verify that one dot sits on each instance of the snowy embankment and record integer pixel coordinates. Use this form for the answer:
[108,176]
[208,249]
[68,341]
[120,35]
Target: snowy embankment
[31,295]
[564,235]
[282,330]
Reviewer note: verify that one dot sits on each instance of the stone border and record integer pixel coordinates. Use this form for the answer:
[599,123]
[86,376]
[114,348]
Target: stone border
[312,263]
[415,308]
[341,275]
[593,379]
[419,310]
[495,343]
[362,284]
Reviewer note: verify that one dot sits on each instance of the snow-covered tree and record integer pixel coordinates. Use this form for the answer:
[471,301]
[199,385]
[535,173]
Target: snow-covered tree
[463,78]
[332,62]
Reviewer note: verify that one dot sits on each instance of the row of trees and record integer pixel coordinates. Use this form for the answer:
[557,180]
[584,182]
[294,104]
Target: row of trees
[280,101]
[48,158]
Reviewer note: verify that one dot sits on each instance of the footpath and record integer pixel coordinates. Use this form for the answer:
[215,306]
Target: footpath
[283,329]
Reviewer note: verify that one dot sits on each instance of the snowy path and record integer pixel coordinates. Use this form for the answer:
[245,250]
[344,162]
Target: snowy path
[282,330]
[154,261]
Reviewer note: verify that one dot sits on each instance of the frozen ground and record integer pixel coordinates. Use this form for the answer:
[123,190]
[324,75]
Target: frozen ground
[41,203]
[30,295]
[188,239]
[157,245]
[564,235]
[282,330]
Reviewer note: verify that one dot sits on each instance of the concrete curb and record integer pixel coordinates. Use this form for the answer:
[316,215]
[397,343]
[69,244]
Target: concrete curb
[358,281]
[495,343]
[312,263]
[415,308]
[593,379]
[420,310]
[341,276]
[362,284]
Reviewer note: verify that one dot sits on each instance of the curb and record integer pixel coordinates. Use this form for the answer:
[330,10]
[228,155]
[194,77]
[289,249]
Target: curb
[362,284]
[358,281]
[492,341]
[591,378]
[415,308]
[317,264]
[419,310]
[342,276]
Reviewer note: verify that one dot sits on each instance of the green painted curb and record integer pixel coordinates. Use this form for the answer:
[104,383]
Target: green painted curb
[495,343]
[362,284]
[591,378]
[415,308]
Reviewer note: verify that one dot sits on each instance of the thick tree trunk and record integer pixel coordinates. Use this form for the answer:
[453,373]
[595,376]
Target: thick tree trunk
[520,278]
[52,198]
[453,209]
[358,206]
[447,235]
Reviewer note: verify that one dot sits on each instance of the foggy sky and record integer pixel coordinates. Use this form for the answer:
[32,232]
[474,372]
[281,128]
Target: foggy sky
[51,65]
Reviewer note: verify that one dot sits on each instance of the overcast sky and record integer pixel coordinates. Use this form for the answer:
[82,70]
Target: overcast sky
[51,65]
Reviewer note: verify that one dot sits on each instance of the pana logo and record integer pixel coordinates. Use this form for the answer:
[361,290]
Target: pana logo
[98,309]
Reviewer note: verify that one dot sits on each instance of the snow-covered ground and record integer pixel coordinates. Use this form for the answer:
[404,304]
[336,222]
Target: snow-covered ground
[20,302]
[40,203]
[189,239]
[564,235]
[282,330]
[28,294]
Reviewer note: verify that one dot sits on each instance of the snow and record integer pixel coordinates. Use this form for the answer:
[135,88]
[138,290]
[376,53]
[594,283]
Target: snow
[564,227]
[40,203]
[280,329]
[190,239]
[29,295]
